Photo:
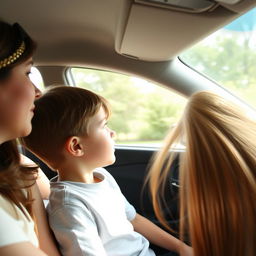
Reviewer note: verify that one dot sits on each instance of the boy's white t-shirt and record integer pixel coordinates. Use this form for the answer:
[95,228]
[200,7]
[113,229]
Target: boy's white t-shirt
[14,225]
[94,219]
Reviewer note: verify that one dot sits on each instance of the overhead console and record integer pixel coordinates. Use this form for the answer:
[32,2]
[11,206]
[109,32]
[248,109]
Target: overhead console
[193,6]
[158,30]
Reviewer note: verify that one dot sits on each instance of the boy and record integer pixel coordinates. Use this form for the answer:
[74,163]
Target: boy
[87,211]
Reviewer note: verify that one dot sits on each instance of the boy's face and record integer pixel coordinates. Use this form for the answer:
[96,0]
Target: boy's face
[99,144]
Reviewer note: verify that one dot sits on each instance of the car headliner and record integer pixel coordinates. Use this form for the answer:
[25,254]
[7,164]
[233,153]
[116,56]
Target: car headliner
[101,34]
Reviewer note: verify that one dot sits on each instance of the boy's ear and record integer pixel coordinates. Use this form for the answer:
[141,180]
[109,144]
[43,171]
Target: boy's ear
[74,146]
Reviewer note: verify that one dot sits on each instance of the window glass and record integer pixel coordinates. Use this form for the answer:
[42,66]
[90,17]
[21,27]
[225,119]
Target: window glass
[142,112]
[36,78]
[229,57]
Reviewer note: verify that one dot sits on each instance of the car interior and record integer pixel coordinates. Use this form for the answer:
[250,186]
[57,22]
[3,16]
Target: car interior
[135,38]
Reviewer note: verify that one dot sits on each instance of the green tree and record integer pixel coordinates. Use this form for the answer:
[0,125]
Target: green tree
[118,90]
[230,60]
[138,113]
[159,116]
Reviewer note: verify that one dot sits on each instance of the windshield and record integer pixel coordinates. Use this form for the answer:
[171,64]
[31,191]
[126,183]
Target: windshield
[229,57]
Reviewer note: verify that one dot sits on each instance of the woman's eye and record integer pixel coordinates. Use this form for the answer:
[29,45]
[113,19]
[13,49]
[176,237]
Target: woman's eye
[28,73]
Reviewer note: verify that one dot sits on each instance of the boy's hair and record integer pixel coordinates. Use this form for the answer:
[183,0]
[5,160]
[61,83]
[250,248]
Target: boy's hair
[61,112]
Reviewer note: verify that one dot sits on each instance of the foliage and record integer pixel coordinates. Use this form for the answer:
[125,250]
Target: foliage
[229,59]
[143,111]
[140,111]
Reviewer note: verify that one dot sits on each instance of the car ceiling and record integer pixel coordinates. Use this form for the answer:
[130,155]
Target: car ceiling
[102,34]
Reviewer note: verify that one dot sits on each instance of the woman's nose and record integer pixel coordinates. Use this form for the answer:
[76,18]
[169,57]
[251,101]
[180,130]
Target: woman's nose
[38,93]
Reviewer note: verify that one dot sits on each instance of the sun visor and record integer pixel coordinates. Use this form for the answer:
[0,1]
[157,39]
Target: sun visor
[152,32]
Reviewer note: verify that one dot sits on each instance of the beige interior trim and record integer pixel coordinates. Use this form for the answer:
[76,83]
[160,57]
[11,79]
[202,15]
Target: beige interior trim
[157,34]
[52,75]
[75,32]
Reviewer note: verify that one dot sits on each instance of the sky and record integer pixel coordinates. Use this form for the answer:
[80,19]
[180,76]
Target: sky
[245,23]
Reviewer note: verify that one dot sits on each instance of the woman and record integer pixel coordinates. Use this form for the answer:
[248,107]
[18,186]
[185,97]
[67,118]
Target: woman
[23,221]
[217,176]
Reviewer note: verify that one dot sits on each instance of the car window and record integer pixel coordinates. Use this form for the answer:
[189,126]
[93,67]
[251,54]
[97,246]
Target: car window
[142,112]
[229,57]
[36,78]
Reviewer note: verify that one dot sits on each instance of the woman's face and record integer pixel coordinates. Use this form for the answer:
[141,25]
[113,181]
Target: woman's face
[17,94]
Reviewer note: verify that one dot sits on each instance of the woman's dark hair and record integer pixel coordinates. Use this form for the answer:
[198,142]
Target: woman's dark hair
[11,37]
[15,178]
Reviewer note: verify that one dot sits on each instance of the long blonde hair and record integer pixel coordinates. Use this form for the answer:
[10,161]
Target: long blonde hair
[217,176]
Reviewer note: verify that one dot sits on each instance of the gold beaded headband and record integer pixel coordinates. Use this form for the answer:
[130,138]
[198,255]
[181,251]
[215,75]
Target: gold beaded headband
[9,60]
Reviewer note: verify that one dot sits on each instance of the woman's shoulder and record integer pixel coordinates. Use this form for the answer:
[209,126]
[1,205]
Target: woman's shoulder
[9,208]
[10,234]
[14,225]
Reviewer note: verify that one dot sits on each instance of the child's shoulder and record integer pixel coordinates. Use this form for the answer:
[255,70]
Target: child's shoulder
[108,177]
[104,173]
[63,193]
